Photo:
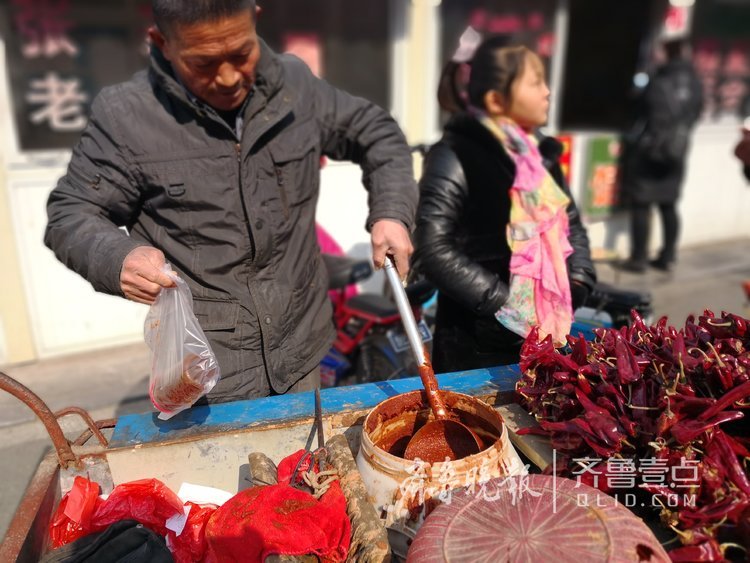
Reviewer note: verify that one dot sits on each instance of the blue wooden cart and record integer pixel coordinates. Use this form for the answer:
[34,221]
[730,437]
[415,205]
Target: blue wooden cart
[203,445]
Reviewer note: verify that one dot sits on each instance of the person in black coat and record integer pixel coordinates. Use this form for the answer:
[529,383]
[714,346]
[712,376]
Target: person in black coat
[742,150]
[654,155]
[465,207]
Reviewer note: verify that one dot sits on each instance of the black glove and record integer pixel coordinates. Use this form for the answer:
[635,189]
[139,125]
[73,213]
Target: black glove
[579,293]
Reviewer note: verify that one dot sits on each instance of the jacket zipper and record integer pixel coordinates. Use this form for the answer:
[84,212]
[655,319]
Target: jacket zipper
[238,151]
[282,190]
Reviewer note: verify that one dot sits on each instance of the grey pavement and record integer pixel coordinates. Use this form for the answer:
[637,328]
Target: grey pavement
[113,382]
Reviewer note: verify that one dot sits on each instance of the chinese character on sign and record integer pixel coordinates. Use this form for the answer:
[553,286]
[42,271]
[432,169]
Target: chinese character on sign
[620,473]
[447,480]
[517,486]
[415,485]
[604,185]
[653,470]
[43,28]
[470,480]
[484,477]
[686,474]
[61,103]
[587,466]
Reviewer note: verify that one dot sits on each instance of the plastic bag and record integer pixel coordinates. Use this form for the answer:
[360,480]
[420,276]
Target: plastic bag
[72,519]
[183,366]
[82,511]
[148,501]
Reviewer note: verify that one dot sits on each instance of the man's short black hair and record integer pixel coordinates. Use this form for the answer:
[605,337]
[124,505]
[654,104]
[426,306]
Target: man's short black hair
[168,13]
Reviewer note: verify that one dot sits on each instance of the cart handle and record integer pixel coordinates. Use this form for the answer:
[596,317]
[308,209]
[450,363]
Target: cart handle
[65,455]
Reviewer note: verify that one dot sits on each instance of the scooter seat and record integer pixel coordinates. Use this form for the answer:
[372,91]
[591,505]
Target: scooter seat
[343,270]
[372,304]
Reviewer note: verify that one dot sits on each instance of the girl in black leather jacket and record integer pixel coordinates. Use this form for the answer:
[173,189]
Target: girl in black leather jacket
[465,206]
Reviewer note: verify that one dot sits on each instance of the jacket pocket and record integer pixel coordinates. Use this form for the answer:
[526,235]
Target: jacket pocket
[296,167]
[216,315]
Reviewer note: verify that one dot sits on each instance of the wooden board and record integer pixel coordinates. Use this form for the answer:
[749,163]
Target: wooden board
[537,449]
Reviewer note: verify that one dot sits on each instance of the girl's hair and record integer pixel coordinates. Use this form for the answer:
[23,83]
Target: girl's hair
[496,65]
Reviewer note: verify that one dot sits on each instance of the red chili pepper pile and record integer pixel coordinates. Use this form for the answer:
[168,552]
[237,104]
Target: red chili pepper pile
[660,394]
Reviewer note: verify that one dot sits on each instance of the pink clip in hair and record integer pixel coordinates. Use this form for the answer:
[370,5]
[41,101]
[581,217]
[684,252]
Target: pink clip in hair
[467,45]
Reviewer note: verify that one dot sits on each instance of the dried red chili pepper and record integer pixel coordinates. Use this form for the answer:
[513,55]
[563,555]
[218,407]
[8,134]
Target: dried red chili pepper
[735,471]
[685,431]
[737,447]
[738,393]
[654,387]
[581,428]
[707,551]
[626,365]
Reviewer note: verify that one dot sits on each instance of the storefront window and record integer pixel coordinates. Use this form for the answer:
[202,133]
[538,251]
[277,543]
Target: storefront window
[721,38]
[530,22]
[346,43]
[61,53]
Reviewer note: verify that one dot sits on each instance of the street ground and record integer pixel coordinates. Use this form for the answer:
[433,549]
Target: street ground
[109,383]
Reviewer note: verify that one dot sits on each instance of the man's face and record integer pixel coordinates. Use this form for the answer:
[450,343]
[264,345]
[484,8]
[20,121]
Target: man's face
[214,60]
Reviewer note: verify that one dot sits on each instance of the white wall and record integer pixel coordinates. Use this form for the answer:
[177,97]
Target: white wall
[67,314]
[716,196]
[342,212]
[715,202]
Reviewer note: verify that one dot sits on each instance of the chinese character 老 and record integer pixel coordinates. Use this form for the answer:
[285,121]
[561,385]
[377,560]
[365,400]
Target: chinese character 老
[61,101]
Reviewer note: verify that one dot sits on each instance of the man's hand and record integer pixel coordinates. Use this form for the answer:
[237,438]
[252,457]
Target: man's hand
[390,237]
[141,278]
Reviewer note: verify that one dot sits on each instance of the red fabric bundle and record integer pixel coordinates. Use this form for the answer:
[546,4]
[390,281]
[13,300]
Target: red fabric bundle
[190,545]
[280,519]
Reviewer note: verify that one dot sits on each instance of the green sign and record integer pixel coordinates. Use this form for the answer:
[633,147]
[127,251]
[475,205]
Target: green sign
[600,189]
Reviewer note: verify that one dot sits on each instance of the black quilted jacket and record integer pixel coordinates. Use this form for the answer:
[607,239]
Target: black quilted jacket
[234,214]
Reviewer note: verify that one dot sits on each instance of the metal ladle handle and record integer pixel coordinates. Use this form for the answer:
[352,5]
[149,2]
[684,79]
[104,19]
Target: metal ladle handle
[404,308]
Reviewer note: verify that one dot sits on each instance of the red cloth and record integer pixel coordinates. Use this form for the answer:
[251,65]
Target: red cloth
[280,519]
[190,545]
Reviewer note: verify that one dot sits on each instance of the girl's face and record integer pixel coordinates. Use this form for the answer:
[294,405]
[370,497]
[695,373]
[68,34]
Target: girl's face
[529,102]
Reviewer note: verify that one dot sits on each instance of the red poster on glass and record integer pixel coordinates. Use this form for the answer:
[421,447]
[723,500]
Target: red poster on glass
[565,157]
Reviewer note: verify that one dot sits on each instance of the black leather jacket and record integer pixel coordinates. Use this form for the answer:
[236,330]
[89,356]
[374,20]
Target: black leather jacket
[463,214]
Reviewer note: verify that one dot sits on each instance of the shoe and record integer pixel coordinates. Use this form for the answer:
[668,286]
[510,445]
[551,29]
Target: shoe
[634,266]
[663,265]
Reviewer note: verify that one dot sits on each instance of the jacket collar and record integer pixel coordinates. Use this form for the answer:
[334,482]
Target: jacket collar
[268,83]
[464,124]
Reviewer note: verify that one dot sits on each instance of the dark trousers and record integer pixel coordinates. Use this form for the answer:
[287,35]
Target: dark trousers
[464,341]
[640,230]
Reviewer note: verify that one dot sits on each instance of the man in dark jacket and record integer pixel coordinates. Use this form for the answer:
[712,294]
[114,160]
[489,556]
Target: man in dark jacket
[210,159]
[654,155]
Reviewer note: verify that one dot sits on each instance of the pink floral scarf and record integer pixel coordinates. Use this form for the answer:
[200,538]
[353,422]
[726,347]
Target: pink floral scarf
[538,239]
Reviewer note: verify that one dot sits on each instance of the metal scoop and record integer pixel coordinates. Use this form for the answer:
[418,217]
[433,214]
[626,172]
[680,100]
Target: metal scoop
[444,437]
